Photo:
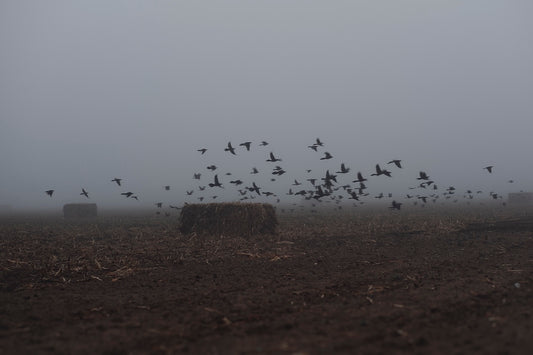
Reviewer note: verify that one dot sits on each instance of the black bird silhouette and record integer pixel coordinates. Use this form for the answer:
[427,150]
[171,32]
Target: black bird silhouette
[167,187]
[319,143]
[395,205]
[263,143]
[230,149]
[236,182]
[343,170]
[254,171]
[273,158]
[135,197]
[197,176]
[255,188]
[212,167]
[84,193]
[127,194]
[189,192]
[246,144]
[314,147]
[49,192]
[326,156]
[380,171]
[489,168]
[159,204]
[360,178]
[397,162]
[117,180]
[201,188]
[203,150]
[296,183]
[423,176]
[215,183]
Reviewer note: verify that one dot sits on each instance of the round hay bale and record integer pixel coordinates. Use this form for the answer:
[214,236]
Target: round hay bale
[235,219]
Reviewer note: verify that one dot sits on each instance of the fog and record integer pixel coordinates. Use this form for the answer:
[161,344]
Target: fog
[94,90]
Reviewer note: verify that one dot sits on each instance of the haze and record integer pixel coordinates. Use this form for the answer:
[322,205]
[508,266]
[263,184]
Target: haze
[94,90]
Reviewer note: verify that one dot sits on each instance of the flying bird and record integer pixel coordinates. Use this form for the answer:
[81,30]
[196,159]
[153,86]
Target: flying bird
[319,143]
[203,150]
[215,183]
[230,149]
[84,193]
[314,147]
[212,167]
[127,194]
[117,180]
[255,188]
[489,168]
[343,170]
[360,178]
[49,192]
[397,162]
[159,204]
[380,171]
[423,176]
[326,156]
[254,171]
[246,145]
[197,176]
[167,187]
[273,158]
[263,143]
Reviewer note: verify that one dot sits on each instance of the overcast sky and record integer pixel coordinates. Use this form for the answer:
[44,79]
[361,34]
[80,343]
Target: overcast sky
[92,90]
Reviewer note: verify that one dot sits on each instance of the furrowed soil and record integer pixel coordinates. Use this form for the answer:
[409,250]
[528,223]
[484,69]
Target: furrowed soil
[391,283]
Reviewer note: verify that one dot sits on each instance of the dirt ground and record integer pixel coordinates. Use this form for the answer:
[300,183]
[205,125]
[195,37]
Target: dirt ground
[391,283]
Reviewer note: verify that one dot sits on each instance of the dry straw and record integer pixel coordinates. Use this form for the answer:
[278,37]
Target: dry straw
[235,219]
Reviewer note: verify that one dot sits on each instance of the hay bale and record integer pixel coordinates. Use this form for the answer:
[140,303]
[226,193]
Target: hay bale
[79,210]
[236,219]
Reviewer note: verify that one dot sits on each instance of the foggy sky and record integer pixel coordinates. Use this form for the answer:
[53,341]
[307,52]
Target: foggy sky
[94,90]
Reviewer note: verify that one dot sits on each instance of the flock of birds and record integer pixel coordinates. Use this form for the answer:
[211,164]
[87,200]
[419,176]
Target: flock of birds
[317,189]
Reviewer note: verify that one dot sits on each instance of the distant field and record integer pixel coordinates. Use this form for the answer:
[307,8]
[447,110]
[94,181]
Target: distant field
[358,281]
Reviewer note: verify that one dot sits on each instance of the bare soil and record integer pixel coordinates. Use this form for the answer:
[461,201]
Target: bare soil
[324,284]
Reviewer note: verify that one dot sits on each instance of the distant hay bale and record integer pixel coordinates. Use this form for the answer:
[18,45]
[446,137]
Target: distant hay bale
[235,219]
[79,210]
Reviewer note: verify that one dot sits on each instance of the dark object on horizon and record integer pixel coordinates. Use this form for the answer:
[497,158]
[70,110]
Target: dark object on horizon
[80,210]
[395,205]
[117,180]
[235,219]
[84,193]
[49,192]
[489,168]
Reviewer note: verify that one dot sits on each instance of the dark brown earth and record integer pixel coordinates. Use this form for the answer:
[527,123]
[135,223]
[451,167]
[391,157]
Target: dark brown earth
[394,283]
